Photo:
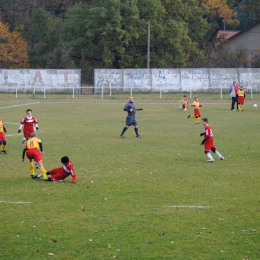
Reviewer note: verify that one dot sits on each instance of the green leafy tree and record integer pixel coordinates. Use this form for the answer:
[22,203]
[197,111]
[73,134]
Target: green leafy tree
[114,33]
[47,48]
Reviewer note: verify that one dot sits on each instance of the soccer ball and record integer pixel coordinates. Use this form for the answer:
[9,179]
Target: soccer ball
[255,105]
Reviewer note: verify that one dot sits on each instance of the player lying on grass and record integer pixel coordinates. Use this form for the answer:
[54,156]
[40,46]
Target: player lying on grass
[61,173]
[32,149]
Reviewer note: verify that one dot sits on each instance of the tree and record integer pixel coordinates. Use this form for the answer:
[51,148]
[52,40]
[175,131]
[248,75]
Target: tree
[114,33]
[47,48]
[221,11]
[218,55]
[13,52]
[255,62]
[248,12]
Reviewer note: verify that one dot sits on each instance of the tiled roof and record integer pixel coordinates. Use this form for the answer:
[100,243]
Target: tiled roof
[227,33]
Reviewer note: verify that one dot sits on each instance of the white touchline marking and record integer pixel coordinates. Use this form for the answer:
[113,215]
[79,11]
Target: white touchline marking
[14,202]
[12,123]
[186,206]
[13,134]
[20,105]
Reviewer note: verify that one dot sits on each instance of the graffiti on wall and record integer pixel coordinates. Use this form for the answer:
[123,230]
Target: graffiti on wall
[180,79]
[110,77]
[166,77]
[45,78]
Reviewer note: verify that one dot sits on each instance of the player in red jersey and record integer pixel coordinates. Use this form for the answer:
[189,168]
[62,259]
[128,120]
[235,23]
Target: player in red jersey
[27,124]
[32,150]
[61,173]
[208,141]
[2,136]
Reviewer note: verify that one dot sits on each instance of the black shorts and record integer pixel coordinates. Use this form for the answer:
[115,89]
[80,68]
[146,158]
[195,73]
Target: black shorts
[130,120]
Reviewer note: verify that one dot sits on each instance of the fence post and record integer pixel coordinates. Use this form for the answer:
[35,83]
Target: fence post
[160,93]
[102,93]
[220,92]
[73,92]
[131,92]
[16,92]
[110,87]
[251,92]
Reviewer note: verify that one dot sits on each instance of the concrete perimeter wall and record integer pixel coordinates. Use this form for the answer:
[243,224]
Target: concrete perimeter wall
[175,80]
[41,80]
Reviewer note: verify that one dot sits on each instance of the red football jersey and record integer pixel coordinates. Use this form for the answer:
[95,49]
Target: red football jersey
[63,172]
[28,125]
[209,143]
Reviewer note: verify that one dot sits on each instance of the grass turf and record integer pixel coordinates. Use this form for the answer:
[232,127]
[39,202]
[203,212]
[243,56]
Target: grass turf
[148,198]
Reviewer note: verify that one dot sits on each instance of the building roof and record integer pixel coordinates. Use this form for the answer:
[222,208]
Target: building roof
[245,30]
[228,33]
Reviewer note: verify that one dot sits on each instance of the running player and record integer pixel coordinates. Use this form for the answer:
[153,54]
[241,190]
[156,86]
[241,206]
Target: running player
[208,141]
[27,124]
[196,104]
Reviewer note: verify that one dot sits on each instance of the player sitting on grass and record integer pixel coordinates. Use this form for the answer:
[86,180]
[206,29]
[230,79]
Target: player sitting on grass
[61,173]
[184,103]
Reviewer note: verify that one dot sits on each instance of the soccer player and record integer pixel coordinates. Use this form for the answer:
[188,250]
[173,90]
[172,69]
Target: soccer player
[27,124]
[184,103]
[196,104]
[208,141]
[130,119]
[241,95]
[3,131]
[32,149]
[60,174]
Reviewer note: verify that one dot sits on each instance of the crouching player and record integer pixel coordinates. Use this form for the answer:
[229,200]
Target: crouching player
[32,149]
[208,142]
[184,103]
[61,173]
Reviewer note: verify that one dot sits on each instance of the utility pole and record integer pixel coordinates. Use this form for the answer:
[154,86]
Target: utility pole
[148,46]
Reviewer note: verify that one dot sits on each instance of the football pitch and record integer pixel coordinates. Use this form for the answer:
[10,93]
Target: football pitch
[149,198]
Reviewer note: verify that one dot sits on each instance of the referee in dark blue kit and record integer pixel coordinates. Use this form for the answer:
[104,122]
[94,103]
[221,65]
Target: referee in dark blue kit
[130,119]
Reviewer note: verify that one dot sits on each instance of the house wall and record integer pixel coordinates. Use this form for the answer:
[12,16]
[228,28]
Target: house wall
[248,40]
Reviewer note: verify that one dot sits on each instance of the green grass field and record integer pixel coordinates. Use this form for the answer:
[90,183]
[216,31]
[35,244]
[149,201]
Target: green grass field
[149,198]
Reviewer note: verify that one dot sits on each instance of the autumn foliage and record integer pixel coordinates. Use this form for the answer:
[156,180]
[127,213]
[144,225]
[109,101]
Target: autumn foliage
[220,9]
[13,49]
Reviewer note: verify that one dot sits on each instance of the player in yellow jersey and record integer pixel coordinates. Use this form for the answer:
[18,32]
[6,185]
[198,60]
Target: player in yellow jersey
[2,137]
[196,104]
[184,103]
[241,95]
[32,149]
